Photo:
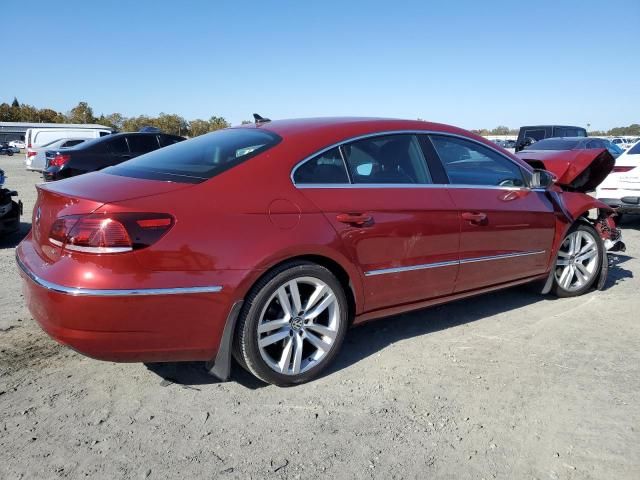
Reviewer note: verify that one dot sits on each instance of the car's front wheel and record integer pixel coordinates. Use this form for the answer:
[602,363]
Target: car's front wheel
[579,261]
[292,324]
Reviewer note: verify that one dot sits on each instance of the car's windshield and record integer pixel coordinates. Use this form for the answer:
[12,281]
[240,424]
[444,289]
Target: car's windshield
[200,158]
[635,150]
[554,144]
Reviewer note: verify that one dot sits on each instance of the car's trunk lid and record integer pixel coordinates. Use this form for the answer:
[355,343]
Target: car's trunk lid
[575,170]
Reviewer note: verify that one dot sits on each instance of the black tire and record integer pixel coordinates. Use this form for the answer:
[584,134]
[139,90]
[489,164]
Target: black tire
[587,229]
[10,153]
[246,349]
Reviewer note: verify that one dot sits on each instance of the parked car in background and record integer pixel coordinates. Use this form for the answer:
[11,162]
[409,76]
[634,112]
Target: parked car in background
[575,143]
[17,144]
[270,240]
[36,137]
[621,189]
[5,149]
[102,152]
[531,134]
[38,161]
[623,143]
[10,209]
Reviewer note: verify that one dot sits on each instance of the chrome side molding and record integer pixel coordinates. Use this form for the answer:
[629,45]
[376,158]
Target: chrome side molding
[77,292]
[451,263]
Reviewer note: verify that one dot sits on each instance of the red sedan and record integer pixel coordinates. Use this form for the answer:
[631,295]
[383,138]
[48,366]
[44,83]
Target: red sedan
[267,241]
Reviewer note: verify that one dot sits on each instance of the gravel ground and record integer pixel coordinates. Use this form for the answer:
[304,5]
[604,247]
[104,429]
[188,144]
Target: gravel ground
[508,385]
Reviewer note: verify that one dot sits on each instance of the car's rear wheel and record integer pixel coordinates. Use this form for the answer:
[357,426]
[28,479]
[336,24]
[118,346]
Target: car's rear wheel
[579,261]
[292,324]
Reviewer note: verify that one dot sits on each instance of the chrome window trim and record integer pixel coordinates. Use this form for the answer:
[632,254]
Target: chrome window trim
[451,263]
[409,185]
[403,185]
[78,292]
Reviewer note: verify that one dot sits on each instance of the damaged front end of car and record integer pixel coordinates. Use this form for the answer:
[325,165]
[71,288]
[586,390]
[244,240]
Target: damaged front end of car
[577,173]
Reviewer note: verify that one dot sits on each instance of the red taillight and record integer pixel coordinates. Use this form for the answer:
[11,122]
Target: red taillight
[109,233]
[31,153]
[59,160]
[622,169]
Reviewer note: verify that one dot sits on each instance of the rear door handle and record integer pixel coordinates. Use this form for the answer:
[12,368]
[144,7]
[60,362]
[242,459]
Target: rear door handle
[356,219]
[477,218]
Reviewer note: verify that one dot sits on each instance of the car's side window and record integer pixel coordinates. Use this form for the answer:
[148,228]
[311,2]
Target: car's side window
[140,144]
[535,134]
[387,159]
[118,145]
[326,168]
[469,163]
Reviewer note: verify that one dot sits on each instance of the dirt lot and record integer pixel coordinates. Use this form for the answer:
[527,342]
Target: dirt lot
[510,385]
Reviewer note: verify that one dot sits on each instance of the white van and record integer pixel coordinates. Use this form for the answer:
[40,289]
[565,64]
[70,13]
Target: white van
[36,137]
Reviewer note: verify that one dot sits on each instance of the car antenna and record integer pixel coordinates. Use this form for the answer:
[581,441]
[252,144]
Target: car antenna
[259,119]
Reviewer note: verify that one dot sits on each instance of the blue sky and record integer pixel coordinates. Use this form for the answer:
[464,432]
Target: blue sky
[472,64]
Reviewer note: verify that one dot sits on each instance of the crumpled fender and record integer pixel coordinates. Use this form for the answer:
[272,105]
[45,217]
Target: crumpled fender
[576,204]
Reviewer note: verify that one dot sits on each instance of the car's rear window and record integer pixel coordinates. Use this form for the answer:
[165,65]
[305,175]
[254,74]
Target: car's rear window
[198,159]
[553,144]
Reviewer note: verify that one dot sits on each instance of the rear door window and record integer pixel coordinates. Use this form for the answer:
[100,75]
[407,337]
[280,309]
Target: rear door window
[141,144]
[388,159]
[199,158]
[469,163]
[118,145]
[326,168]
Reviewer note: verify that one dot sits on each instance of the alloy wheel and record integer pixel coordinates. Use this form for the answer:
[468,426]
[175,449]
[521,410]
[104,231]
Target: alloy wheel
[577,261]
[298,325]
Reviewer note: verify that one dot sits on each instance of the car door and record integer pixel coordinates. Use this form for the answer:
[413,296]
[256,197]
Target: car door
[397,226]
[507,228]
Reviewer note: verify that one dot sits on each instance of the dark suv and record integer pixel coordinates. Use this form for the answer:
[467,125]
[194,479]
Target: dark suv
[528,135]
[103,152]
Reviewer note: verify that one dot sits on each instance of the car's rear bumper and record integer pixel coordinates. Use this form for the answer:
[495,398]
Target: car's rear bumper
[126,325]
[626,204]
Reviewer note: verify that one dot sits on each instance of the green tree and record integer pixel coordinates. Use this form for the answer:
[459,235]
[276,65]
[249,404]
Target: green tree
[198,127]
[246,122]
[171,123]
[216,123]
[500,130]
[7,114]
[81,113]
[113,120]
[48,115]
[15,103]
[28,113]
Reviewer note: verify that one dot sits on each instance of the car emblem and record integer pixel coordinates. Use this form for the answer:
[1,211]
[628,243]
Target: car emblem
[38,215]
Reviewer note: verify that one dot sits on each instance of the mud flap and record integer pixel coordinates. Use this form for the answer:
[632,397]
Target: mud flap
[604,270]
[220,367]
[549,283]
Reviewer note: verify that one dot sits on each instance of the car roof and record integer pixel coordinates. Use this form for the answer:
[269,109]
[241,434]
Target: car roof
[329,130]
[552,125]
[309,135]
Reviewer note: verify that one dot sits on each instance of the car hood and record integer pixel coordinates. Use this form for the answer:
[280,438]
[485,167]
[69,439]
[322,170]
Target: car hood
[575,170]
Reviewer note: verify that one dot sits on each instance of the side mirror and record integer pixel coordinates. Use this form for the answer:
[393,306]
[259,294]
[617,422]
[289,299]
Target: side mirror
[542,179]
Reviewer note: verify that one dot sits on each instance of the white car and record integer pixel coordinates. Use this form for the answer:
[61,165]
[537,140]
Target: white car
[17,144]
[38,161]
[623,143]
[621,188]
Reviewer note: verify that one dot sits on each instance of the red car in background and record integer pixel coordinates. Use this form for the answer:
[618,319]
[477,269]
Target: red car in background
[267,241]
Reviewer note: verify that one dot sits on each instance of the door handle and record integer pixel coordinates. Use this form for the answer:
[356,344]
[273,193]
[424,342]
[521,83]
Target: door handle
[477,218]
[356,219]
